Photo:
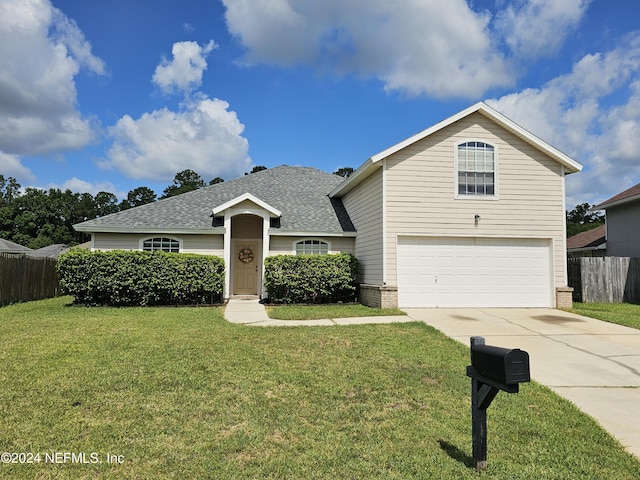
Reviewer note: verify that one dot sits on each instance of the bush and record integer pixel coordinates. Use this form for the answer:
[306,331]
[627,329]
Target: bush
[133,278]
[311,278]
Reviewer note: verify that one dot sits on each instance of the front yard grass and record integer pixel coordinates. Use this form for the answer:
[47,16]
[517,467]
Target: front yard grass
[316,312]
[181,393]
[626,314]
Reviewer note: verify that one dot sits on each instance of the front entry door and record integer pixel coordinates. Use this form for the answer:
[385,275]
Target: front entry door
[246,267]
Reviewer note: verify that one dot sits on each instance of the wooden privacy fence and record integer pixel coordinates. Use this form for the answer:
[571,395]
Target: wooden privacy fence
[605,279]
[25,278]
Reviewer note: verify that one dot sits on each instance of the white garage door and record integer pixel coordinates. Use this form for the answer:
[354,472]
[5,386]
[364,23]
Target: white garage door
[473,272]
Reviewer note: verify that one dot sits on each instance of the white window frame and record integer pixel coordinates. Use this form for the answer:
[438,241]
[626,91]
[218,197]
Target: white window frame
[162,238]
[304,242]
[476,196]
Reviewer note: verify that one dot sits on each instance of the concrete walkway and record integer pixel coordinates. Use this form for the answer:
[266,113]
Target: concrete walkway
[249,311]
[594,364]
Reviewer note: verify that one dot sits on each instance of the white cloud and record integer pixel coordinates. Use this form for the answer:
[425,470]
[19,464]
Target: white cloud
[206,138]
[10,166]
[183,73]
[82,186]
[593,114]
[442,49]
[41,51]
[435,48]
[534,28]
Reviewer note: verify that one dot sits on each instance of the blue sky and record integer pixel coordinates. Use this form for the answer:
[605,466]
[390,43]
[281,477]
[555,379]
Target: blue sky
[109,96]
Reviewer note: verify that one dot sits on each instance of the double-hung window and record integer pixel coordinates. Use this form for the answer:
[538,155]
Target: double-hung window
[476,169]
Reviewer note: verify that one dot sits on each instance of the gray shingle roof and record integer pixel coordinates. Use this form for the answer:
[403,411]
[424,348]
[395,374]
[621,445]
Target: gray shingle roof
[300,193]
[52,251]
[7,246]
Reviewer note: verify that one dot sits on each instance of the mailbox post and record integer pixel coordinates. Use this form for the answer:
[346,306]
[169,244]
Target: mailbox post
[492,369]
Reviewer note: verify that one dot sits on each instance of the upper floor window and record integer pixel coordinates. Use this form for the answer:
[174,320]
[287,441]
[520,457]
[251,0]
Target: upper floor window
[161,243]
[476,169]
[312,247]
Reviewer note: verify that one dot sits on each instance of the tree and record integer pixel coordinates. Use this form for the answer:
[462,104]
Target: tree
[344,172]
[256,170]
[581,219]
[138,196]
[184,181]
[216,181]
[9,189]
[106,203]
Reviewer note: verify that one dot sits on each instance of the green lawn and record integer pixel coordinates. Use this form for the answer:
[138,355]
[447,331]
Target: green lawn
[621,313]
[315,312]
[181,393]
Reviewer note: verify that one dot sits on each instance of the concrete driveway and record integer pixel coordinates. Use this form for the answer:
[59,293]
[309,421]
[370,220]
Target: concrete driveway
[594,364]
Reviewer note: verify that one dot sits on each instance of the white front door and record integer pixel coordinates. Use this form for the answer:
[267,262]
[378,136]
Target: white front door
[247,267]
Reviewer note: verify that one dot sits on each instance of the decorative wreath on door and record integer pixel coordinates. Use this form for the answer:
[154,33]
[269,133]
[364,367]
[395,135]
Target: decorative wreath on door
[246,255]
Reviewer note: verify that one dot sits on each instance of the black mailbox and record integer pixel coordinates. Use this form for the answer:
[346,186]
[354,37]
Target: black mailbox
[492,369]
[503,365]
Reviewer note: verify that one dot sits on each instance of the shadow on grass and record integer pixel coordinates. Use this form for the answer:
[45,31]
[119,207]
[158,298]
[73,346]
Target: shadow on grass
[455,453]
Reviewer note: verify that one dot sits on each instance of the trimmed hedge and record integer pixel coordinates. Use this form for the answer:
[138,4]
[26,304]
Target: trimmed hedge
[311,278]
[134,278]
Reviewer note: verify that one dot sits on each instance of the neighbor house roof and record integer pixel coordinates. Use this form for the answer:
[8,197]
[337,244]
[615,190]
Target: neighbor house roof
[593,239]
[52,251]
[7,246]
[629,195]
[299,194]
[373,162]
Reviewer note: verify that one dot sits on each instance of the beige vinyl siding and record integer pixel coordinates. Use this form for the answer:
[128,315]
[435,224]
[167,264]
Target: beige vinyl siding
[282,245]
[202,244]
[421,191]
[364,205]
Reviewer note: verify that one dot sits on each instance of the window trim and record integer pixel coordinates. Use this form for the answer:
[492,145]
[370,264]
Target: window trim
[311,239]
[496,163]
[163,238]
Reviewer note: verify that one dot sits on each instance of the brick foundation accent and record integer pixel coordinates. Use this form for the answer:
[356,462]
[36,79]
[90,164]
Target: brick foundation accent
[379,296]
[564,298]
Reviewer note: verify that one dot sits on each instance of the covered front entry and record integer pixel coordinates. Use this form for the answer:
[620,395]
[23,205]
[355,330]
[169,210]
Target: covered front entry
[246,255]
[474,272]
[246,220]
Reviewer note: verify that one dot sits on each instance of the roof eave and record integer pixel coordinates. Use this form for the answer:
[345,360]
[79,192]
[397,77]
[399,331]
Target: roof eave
[301,233]
[152,230]
[356,178]
[593,248]
[622,201]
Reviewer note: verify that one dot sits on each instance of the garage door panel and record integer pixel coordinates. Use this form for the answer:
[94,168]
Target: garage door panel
[472,272]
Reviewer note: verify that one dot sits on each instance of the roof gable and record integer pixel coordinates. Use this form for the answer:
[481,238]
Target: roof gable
[369,166]
[247,196]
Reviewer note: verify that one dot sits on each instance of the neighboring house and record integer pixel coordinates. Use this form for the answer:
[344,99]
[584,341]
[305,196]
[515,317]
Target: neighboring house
[12,248]
[590,243]
[623,223]
[470,212]
[51,251]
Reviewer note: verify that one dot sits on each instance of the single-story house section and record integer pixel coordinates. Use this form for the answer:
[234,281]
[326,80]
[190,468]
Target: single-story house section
[467,213]
[591,243]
